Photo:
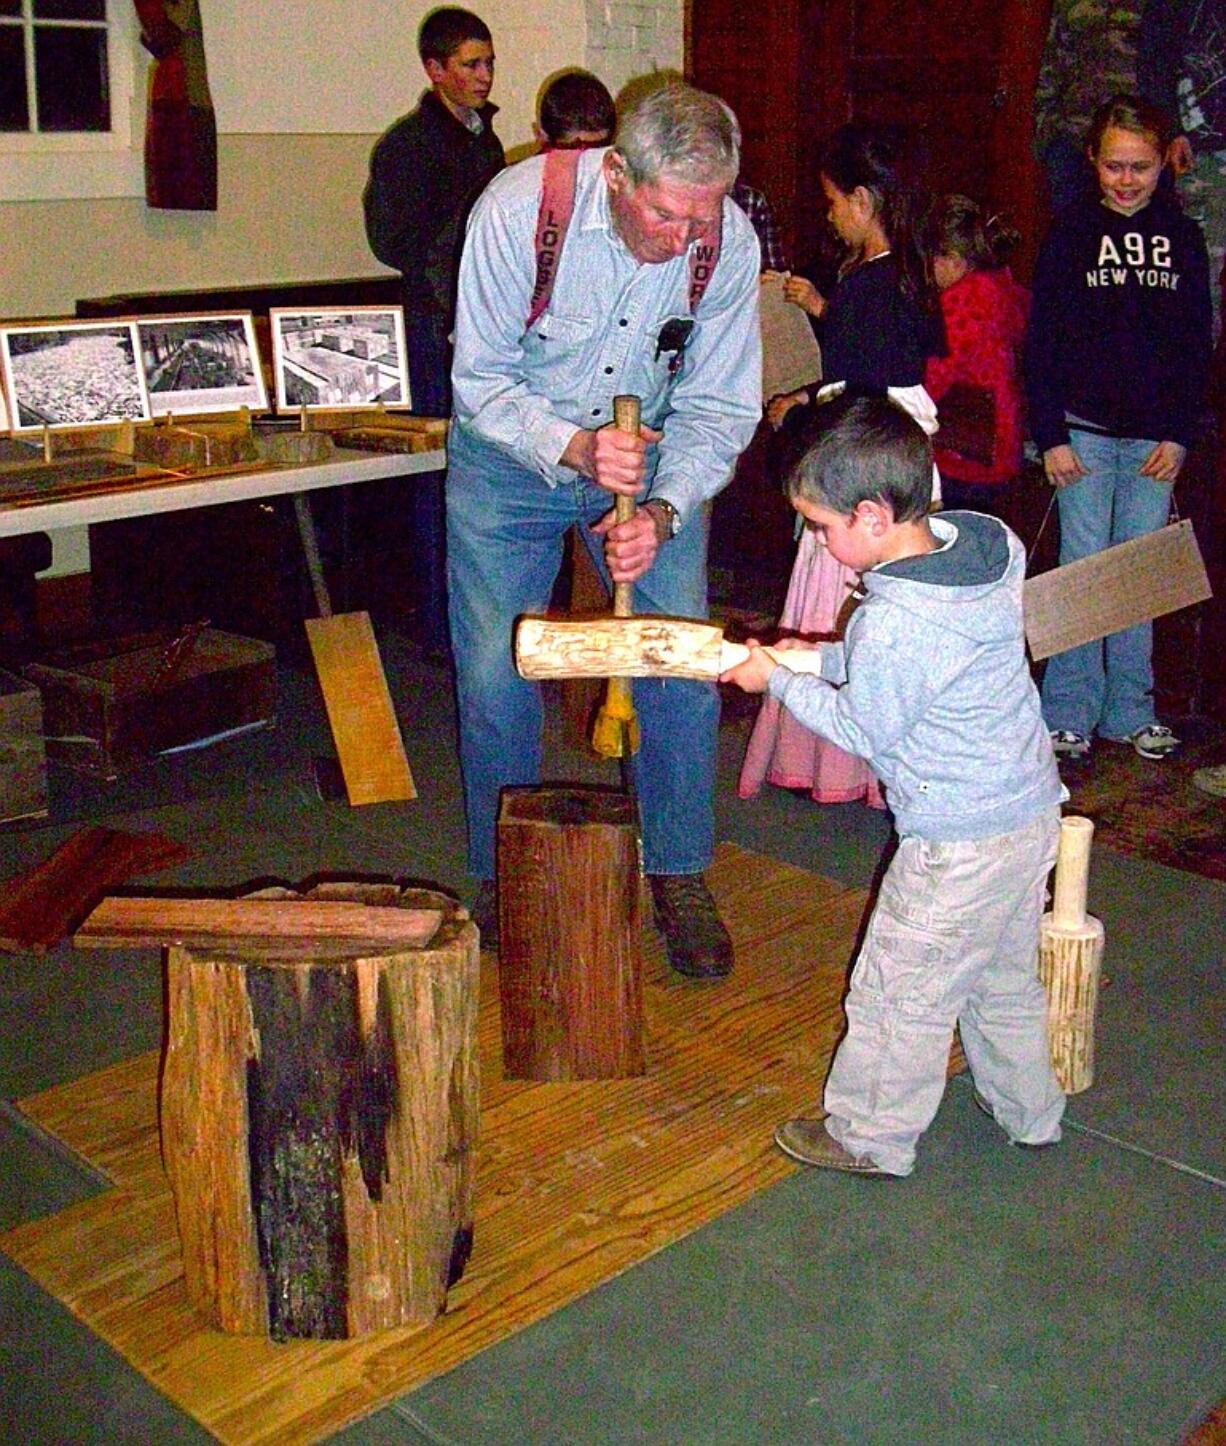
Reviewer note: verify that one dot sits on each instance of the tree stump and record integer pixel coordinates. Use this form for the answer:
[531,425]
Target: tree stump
[318,1120]
[569,955]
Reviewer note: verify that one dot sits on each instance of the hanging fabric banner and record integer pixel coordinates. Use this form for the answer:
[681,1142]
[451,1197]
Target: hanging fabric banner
[180,127]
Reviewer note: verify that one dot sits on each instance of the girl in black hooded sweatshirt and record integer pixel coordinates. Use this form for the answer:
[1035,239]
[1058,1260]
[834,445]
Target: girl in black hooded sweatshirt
[1116,362]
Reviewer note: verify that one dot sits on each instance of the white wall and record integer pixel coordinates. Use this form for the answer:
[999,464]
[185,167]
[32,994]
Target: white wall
[302,91]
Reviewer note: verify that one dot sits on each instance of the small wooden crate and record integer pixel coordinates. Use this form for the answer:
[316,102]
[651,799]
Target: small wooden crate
[23,759]
[110,707]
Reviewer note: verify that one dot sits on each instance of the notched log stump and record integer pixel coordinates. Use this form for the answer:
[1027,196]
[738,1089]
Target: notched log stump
[569,953]
[318,1120]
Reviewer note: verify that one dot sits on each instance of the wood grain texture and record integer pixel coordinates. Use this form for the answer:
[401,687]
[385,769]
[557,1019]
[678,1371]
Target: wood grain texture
[641,647]
[319,1127]
[291,929]
[575,1182]
[40,907]
[360,712]
[1114,589]
[569,955]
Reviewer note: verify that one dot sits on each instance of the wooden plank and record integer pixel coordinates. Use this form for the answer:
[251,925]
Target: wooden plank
[40,907]
[1117,588]
[299,928]
[790,355]
[360,712]
[575,1182]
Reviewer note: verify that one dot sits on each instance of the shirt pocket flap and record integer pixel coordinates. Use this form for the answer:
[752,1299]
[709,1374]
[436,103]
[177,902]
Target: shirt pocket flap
[570,330]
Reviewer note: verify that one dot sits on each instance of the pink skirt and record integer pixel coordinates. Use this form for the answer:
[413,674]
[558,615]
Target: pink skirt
[781,750]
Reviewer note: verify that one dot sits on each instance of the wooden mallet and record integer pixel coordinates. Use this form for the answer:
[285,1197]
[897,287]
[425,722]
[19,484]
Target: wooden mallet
[1070,960]
[615,734]
[641,647]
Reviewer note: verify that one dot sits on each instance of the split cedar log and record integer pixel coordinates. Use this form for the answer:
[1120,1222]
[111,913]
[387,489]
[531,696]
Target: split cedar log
[569,950]
[318,1122]
[639,647]
[40,907]
[331,928]
[1070,960]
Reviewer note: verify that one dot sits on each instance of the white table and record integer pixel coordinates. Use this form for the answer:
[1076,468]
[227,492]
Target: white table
[176,495]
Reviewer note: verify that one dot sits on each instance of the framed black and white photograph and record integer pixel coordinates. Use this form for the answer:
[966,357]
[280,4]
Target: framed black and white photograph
[201,364]
[339,358]
[72,374]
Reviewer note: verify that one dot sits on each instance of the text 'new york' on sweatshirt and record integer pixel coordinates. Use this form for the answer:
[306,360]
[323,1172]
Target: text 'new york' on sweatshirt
[1120,328]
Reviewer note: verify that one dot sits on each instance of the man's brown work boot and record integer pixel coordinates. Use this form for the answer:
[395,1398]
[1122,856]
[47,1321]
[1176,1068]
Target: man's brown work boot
[694,935]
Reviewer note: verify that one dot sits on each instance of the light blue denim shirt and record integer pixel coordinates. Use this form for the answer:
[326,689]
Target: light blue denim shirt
[527,392]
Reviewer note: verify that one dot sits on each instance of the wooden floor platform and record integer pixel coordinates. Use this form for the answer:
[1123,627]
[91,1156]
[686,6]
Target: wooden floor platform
[576,1183]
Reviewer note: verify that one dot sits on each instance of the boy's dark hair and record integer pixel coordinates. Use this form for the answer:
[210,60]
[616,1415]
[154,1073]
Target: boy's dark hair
[576,101]
[861,448]
[443,31]
[1131,113]
[956,226]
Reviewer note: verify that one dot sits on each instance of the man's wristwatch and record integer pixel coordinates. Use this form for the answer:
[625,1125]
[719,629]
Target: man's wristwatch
[667,514]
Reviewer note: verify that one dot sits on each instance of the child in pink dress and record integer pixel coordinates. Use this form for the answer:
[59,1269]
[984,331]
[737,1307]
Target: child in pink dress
[876,329]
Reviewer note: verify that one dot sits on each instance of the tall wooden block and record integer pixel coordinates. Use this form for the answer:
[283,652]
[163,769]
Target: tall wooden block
[569,954]
[319,1117]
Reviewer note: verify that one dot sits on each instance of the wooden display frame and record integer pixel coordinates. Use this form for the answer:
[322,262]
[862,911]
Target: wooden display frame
[291,379]
[252,397]
[18,395]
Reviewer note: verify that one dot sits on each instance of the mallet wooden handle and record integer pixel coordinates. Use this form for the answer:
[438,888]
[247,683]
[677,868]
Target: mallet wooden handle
[1068,909]
[626,417]
[1070,960]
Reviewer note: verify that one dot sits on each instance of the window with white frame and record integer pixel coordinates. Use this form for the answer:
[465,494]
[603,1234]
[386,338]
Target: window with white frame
[67,73]
[54,67]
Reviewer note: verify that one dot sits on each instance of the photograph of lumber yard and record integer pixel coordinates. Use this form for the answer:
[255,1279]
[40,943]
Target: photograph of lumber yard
[340,358]
[71,376]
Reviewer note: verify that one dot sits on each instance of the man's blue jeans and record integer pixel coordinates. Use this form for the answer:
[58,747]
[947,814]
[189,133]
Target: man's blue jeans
[505,528]
[1106,686]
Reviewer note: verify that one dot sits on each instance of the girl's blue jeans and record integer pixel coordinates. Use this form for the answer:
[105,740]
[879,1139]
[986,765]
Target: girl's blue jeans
[505,530]
[1107,686]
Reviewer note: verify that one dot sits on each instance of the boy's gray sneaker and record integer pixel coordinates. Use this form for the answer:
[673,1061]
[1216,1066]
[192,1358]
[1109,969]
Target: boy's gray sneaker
[1153,740]
[982,1104]
[1067,744]
[809,1142]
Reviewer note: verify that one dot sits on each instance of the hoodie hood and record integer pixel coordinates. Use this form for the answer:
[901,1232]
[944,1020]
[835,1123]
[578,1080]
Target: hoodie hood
[970,585]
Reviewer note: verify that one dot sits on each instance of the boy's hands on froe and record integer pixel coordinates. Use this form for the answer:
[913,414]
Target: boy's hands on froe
[754,673]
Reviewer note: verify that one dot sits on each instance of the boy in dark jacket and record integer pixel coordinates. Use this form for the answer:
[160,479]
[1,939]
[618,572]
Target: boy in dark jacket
[425,173]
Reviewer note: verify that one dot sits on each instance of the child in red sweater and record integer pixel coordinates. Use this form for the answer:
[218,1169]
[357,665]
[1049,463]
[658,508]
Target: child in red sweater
[976,384]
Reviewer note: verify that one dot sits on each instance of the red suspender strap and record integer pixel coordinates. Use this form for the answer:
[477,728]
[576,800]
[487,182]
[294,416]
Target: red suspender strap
[553,217]
[556,208]
[703,256]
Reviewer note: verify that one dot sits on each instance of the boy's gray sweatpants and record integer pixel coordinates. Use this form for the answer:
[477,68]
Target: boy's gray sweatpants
[954,939]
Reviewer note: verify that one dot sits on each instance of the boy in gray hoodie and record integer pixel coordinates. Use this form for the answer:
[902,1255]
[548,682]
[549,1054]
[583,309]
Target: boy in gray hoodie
[932,687]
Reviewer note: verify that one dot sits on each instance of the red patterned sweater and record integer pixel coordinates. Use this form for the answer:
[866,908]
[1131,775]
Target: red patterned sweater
[985,318]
